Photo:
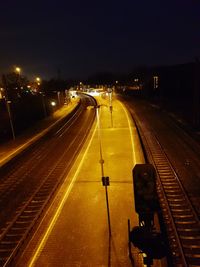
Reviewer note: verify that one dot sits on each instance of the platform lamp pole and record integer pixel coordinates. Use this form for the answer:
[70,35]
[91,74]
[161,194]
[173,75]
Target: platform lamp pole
[8,102]
[105,180]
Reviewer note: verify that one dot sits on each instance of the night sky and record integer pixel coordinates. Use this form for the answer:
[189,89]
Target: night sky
[80,37]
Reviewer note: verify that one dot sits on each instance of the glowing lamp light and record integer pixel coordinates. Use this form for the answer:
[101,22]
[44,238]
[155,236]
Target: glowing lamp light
[18,70]
[53,103]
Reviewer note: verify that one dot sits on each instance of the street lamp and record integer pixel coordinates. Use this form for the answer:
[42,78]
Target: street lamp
[38,80]
[110,91]
[8,103]
[53,103]
[18,70]
[105,180]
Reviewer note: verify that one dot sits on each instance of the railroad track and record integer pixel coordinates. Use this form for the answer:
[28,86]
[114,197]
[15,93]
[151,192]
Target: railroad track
[12,180]
[180,218]
[183,225]
[16,233]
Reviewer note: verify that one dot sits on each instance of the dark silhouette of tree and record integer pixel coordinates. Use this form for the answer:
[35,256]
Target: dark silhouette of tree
[54,85]
[15,85]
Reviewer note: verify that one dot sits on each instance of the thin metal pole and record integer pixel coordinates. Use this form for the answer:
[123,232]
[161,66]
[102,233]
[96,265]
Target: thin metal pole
[111,108]
[100,146]
[10,118]
[111,118]
[108,210]
[8,105]
[102,169]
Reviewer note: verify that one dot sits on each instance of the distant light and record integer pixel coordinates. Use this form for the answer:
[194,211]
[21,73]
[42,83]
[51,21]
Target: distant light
[73,94]
[53,103]
[94,93]
[155,82]
[17,69]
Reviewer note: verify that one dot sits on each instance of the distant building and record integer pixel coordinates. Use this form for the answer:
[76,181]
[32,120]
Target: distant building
[177,88]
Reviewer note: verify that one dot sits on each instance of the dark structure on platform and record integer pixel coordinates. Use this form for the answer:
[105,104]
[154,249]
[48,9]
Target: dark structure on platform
[145,236]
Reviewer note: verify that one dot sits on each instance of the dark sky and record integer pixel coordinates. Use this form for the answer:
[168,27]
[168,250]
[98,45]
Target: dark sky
[81,37]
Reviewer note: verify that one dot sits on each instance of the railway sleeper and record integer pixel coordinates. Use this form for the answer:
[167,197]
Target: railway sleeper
[182,216]
[13,235]
[27,217]
[16,230]
[171,184]
[37,201]
[5,253]
[32,208]
[7,245]
[190,223]
[177,206]
[172,190]
[174,194]
[29,212]
[193,260]
[170,187]
[8,238]
[166,175]
[181,211]
[190,240]
[23,219]
[194,248]
[41,197]
[176,200]
[21,224]
[188,231]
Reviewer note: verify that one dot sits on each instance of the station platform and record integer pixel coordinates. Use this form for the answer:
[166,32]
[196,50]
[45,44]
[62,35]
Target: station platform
[84,226]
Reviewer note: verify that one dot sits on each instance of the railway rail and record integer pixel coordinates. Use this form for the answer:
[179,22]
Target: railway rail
[16,232]
[180,218]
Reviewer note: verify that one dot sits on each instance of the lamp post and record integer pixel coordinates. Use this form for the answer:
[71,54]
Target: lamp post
[99,137]
[8,102]
[37,84]
[110,91]
[105,180]
[18,71]
[38,88]
[38,81]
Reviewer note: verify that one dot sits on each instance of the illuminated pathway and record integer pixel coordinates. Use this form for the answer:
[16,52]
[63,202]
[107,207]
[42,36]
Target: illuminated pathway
[75,230]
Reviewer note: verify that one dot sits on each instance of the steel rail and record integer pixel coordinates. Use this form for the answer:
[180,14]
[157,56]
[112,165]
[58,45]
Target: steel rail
[6,185]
